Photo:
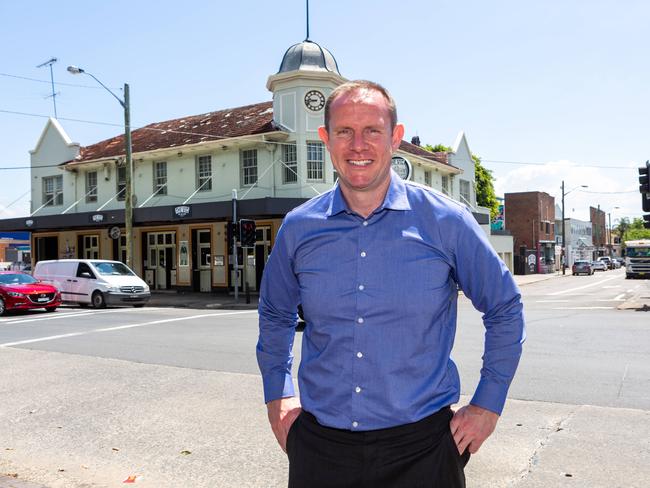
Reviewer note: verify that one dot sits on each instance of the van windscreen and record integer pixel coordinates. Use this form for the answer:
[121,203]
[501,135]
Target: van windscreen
[112,268]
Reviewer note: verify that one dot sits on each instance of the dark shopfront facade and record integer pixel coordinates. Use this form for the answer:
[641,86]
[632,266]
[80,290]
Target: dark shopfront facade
[175,247]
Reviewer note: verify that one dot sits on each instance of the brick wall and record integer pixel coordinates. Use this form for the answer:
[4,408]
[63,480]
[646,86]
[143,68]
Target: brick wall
[530,217]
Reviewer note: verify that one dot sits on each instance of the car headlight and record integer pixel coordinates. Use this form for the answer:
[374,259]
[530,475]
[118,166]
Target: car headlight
[146,289]
[15,294]
[111,287]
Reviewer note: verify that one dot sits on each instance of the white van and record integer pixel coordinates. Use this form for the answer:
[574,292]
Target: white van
[95,282]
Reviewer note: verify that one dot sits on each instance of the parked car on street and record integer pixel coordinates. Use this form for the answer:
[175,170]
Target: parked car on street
[607,260]
[95,282]
[582,267]
[599,265]
[19,291]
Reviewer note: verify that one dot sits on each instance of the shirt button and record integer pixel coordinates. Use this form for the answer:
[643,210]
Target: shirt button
[363,254]
[361,287]
[360,320]
[365,223]
[358,389]
[359,355]
[355,424]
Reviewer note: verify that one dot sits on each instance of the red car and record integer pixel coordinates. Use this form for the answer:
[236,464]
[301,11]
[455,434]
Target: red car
[20,291]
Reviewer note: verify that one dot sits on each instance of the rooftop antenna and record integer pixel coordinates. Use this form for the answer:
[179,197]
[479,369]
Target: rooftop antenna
[49,63]
[307,38]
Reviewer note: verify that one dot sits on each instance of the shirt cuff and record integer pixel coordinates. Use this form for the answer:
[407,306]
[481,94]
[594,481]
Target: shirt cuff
[278,386]
[490,396]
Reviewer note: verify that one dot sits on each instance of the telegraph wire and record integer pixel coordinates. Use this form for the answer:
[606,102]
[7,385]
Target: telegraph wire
[216,138]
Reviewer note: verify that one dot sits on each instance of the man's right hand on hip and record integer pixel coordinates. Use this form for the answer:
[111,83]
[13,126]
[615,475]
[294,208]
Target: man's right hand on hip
[282,414]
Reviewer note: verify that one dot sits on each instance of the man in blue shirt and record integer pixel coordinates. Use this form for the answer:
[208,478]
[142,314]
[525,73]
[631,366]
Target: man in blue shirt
[376,263]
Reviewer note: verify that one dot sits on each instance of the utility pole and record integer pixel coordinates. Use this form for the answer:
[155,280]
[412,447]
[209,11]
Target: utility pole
[563,254]
[128,198]
[234,244]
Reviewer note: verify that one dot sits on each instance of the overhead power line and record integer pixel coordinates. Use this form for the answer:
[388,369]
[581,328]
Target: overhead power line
[7,75]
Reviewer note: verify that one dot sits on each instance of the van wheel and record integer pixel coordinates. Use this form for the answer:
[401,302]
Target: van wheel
[98,300]
[50,309]
[2,307]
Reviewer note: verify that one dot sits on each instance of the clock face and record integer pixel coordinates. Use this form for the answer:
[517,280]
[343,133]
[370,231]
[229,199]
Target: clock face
[401,166]
[314,100]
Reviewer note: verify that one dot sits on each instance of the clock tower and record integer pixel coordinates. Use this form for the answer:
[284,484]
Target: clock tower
[308,73]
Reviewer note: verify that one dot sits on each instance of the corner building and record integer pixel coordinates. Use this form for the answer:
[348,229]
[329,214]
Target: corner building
[184,171]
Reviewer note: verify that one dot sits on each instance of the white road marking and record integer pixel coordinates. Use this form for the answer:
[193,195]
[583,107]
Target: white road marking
[598,283]
[571,308]
[80,313]
[553,301]
[611,286]
[620,297]
[120,327]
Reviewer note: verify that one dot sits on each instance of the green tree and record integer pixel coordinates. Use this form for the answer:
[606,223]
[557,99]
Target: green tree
[437,148]
[632,231]
[485,194]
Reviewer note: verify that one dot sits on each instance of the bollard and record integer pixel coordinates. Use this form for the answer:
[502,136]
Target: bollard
[248,293]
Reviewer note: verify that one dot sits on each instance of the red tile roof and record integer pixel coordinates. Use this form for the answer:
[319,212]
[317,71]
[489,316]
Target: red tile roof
[212,126]
[440,157]
[233,122]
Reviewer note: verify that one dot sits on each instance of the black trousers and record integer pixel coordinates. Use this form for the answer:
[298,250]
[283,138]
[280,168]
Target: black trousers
[418,455]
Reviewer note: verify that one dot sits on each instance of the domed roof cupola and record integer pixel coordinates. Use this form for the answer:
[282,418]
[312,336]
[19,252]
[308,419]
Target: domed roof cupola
[308,56]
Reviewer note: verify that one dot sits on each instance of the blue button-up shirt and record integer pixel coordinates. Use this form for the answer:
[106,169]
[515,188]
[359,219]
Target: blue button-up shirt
[379,297]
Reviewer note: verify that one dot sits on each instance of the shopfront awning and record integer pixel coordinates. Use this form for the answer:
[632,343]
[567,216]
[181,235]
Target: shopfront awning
[199,212]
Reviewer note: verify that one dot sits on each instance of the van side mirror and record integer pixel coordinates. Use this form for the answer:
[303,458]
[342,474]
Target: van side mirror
[86,274]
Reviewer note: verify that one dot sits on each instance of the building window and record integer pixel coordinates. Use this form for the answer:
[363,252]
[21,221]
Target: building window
[91,247]
[91,186]
[427,178]
[290,167]
[315,161]
[547,227]
[160,177]
[464,192]
[204,173]
[248,167]
[53,190]
[121,182]
[445,185]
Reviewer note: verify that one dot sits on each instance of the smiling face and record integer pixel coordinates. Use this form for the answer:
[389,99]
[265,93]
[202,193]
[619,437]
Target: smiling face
[361,143]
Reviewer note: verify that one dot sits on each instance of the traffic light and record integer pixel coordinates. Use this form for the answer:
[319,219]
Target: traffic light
[644,178]
[247,232]
[232,230]
[644,186]
[646,221]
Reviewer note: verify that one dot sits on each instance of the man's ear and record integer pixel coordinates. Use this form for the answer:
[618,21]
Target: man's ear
[324,136]
[398,135]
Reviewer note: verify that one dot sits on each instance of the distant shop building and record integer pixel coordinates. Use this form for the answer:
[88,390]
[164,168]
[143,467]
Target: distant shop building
[530,218]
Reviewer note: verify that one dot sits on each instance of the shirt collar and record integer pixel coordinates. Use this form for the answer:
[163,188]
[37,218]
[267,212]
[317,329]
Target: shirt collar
[395,199]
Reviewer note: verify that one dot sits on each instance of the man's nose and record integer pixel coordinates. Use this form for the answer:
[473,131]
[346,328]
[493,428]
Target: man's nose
[358,141]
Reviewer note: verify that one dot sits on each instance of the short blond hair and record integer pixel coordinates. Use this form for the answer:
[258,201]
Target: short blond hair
[354,85]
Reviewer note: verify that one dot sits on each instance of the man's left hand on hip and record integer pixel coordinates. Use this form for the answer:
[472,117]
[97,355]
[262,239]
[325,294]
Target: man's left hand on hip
[470,426]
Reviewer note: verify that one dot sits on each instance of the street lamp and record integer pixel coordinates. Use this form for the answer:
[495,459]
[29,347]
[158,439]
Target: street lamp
[563,256]
[609,240]
[128,202]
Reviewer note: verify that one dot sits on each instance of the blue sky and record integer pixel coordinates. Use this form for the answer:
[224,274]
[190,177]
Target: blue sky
[546,91]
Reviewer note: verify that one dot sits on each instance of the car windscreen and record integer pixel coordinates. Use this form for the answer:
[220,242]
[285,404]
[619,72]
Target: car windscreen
[16,279]
[114,269]
[637,252]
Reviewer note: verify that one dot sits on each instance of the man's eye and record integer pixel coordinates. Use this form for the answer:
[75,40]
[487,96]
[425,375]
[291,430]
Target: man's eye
[343,132]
